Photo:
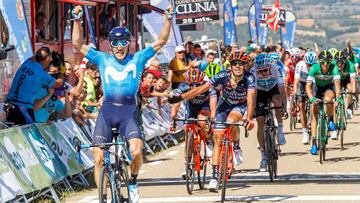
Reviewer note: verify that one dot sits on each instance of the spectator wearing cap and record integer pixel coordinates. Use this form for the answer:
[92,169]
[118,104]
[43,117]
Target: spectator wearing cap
[29,79]
[177,67]
[210,57]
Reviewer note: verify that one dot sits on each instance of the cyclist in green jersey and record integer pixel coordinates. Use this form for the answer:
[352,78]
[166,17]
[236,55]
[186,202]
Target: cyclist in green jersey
[326,77]
[347,78]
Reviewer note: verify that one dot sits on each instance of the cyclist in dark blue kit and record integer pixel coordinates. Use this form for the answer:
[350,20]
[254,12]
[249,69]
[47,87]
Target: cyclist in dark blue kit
[120,75]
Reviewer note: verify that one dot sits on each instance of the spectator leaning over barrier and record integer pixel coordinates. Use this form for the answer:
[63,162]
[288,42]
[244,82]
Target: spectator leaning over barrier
[197,52]
[47,103]
[29,79]
[121,74]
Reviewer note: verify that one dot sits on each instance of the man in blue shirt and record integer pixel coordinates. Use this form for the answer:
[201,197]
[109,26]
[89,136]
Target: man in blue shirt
[29,79]
[210,57]
[121,74]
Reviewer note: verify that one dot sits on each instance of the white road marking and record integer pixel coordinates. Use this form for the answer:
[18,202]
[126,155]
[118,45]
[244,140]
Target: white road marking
[172,153]
[89,198]
[155,163]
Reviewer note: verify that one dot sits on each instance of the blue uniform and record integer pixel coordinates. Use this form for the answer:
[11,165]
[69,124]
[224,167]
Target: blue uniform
[51,106]
[120,83]
[28,81]
[231,100]
[198,104]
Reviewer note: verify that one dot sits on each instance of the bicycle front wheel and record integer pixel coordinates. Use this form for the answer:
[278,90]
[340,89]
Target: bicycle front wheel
[203,165]
[322,138]
[123,185]
[107,186]
[224,170]
[190,166]
[270,150]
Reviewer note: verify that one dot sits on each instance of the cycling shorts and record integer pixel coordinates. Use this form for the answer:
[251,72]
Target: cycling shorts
[302,91]
[192,111]
[120,116]
[224,109]
[345,82]
[263,98]
[320,91]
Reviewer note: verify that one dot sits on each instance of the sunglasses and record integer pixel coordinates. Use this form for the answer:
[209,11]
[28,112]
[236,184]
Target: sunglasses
[263,70]
[234,63]
[118,43]
[323,62]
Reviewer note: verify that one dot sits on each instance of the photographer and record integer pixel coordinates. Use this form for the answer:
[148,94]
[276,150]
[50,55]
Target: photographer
[30,78]
[48,102]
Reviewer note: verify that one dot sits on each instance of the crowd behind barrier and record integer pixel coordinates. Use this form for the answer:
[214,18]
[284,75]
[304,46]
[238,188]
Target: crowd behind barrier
[42,156]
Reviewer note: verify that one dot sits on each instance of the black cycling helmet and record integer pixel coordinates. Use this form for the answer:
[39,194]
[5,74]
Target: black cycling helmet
[348,52]
[325,57]
[119,33]
[340,57]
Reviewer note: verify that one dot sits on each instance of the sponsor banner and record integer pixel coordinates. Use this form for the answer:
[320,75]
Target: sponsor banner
[50,162]
[15,19]
[262,40]
[73,134]
[26,164]
[234,8]
[154,21]
[61,146]
[287,33]
[196,11]
[258,10]
[229,24]
[10,187]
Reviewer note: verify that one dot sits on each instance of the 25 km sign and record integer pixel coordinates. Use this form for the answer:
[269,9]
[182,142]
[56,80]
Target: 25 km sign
[195,11]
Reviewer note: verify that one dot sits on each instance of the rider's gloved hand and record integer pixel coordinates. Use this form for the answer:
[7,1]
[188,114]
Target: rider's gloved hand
[77,13]
[174,98]
[314,100]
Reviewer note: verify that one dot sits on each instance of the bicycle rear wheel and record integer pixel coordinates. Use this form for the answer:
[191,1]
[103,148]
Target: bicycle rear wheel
[204,160]
[224,169]
[107,186]
[190,166]
[123,185]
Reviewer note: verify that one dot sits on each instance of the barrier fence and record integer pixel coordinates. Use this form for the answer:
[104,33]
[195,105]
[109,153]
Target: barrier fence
[38,158]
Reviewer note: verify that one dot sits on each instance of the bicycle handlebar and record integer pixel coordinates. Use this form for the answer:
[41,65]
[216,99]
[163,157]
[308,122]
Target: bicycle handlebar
[240,123]
[191,120]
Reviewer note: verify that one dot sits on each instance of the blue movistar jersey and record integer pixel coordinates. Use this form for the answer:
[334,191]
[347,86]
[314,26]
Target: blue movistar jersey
[200,99]
[229,94]
[28,81]
[120,80]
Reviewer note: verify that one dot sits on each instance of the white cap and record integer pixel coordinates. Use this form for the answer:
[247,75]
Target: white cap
[210,51]
[179,48]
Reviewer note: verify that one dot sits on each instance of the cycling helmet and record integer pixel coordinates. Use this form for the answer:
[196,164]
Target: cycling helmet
[239,56]
[348,52]
[261,60]
[340,57]
[333,51]
[212,69]
[325,57]
[194,75]
[274,57]
[119,33]
[294,51]
[310,58]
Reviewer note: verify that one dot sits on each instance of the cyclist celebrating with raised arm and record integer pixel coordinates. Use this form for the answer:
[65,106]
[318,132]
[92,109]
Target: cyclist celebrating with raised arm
[347,78]
[326,77]
[237,97]
[270,88]
[301,74]
[121,75]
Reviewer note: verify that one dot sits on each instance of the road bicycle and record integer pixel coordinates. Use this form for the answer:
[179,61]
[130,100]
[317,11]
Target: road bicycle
[226,168]
[196,159]
[114,176]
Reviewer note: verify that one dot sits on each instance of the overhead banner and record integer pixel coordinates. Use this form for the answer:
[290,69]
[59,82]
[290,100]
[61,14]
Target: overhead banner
[262,40]
[154,21]
[287,33]
[196,11]
[229,24]
[268,11]
[15,19]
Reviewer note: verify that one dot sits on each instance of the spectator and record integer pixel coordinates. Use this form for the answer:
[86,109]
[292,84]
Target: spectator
[29,79]
[108,20]
[40,29]
[47,103]
[234,47]
[189,48]
[154,67]
[90,103]
[197,52]
[210,57]
[226,63]
[70,76]
[177,67]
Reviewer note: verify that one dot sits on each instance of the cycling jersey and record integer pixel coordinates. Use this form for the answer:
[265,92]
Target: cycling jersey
[274,78]
[120,80]
[230,95]
[355,61]
[200,99]
[282,68]
[28,81]
[301,71]
[348,71]
[323,79]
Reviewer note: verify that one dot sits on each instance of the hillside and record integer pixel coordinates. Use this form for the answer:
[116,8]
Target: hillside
[327,22]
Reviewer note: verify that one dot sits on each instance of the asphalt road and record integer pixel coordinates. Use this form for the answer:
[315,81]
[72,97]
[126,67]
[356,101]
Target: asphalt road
[301,176]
